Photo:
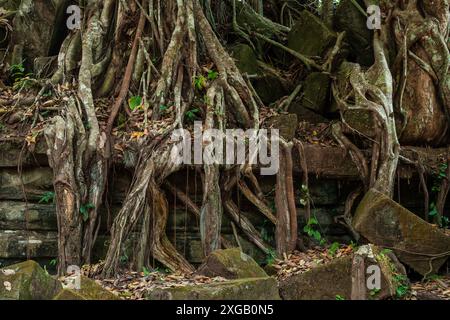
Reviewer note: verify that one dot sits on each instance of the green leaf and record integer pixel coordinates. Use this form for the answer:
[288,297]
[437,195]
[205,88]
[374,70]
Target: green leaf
[334,248]
[374,292]
[200,82]
[47,197]
[317,235]
[84,210]
[146,271]
[191,115]
[135,102]
[212,75]
[339,297]
[402,291]
[434,212]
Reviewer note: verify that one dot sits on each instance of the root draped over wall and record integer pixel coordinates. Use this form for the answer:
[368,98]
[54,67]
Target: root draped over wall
[159,49]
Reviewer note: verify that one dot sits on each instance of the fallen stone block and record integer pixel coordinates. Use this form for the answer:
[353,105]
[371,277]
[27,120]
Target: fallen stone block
[246,59]
[34,28]
[88,290]
[306,115]
[27,281]
[242,289]
[231,264]
[370,273]
[316,41]
[384,222]
[287,124]
[316,88]
[348,18]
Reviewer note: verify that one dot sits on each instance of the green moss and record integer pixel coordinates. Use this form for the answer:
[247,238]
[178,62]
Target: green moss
[315,41]
[241,289]
[245,59]
[316,89]
[231,264]
[324,282]
[29,282]
[349,19]
[361,121]
[89,290]
[386,223]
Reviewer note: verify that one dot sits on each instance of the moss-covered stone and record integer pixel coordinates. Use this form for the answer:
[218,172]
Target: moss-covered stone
[89,290]
[27,281]
[304,114]
[231,264]
[310,36]
[245,59]
[10,5]
[242,289]
[10,154]
[35,181]
[350,19]
[333,280]
[34,28]
[286,123]
[316,88]
[22,244]
[71,295]
[360,120]
[269,88]
[416,243]
[322,283]
[21,216]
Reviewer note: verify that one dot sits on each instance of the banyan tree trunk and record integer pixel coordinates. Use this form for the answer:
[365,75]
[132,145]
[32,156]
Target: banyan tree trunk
[421,70]
[159,48]
[409,95]
[146,200]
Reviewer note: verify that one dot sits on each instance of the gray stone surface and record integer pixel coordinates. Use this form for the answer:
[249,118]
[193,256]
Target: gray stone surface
[417,243]
[315,41]
[231,264]
[242,289]
[334,279]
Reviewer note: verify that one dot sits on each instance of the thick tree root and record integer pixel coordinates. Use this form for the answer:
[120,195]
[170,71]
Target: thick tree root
[64,159]
[286,228]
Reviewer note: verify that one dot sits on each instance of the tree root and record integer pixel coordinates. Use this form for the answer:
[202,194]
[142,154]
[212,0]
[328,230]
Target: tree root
[286,227]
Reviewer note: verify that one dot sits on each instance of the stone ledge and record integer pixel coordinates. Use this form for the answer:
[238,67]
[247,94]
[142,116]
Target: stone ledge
[328,162]
[242,289]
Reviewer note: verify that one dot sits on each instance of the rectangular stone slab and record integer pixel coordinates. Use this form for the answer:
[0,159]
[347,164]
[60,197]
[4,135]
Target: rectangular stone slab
[27,281]
[27,244]
[338,277]
[420,245]
[328,162]
[32,183]
[242,289]
[11,153]
[22,216]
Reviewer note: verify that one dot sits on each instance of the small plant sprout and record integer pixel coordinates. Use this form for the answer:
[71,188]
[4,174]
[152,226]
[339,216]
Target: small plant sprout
[48,197]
